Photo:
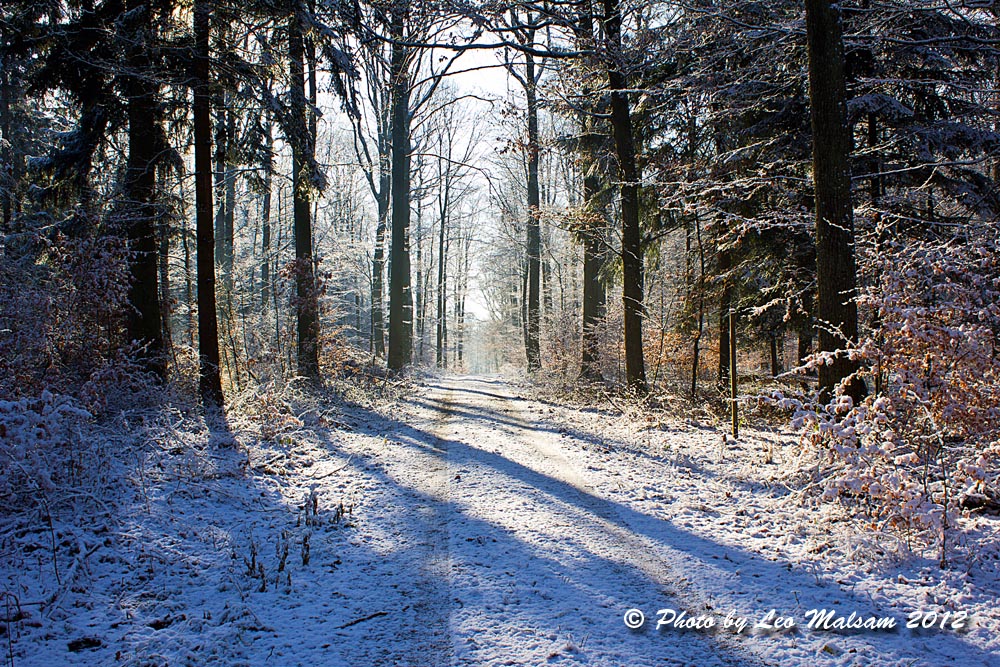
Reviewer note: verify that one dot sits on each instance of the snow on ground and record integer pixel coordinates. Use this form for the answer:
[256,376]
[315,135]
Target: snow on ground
[471,524]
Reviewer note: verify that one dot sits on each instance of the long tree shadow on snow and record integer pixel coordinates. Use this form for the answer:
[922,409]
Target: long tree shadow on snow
[584,588]
[511,424]
[759,585]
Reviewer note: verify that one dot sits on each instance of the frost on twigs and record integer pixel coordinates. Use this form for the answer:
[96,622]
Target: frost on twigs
[922,450]
[39,440]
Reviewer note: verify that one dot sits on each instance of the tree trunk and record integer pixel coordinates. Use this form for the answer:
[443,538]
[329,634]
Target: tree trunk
[442,297]
[378,271]
[594,305]
[229,212]
[400,296]
[210,381]
[462,281]
[534,237]
[628,172]
[189,293]
[775,366]
[265,215]
[144,316]
[594,294]
[303,143]
[7,181]
[696,345]
[166,309]
[222,140]
[419,296]
[835,262]
[594,208]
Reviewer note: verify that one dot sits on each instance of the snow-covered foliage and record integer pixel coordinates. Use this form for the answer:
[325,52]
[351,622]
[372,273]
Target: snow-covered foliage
[39,440]
[61,305]
[924,445]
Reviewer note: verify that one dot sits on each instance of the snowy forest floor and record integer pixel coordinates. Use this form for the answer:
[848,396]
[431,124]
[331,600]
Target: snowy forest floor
[470,522]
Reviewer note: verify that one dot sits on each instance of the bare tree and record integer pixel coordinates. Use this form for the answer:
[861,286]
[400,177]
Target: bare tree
[522,66]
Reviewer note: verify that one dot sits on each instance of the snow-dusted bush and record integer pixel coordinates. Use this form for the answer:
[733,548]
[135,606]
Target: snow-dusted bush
[39,440]
[61,304]
[925,443]
[561,344]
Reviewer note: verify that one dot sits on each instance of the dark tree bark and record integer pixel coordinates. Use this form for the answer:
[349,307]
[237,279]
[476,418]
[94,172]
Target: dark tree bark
[140,214]
[696,343]
[832,142]
[225,190]
[229,204]
[534,237]
[804,343]
[303,147]
[400,296]
[420,293]
[163,259]
[378,271]
[7,179]
[628,173]
[265,216]
[774,338]
[210,380]
[594,294]
[592,226]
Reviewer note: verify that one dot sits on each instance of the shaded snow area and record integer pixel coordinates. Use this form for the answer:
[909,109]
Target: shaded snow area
[469,523]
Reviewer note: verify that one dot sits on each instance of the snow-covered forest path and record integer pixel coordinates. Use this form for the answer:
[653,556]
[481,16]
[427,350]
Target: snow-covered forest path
[470,524]
[515,531]
[517,561]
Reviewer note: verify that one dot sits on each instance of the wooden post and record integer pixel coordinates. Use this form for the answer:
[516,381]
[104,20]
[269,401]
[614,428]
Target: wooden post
[733,390]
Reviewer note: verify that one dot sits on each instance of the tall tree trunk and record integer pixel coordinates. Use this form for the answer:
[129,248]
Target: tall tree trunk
[594,304]
[210,379]
[303,146]
[166,303]
[835,262]
[265,216]
[534,237]
[7,181]
[696,344]
[144,316]
[400,296]
[462,282]
[189,293]
[229,202]
[378,270]
[628,173]
[442,297]
[805,330]
[592,236]
[222,173]
[775,337]
[420,293]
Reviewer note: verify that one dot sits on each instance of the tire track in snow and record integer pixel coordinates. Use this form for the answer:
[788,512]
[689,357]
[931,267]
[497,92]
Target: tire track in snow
[433,646]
